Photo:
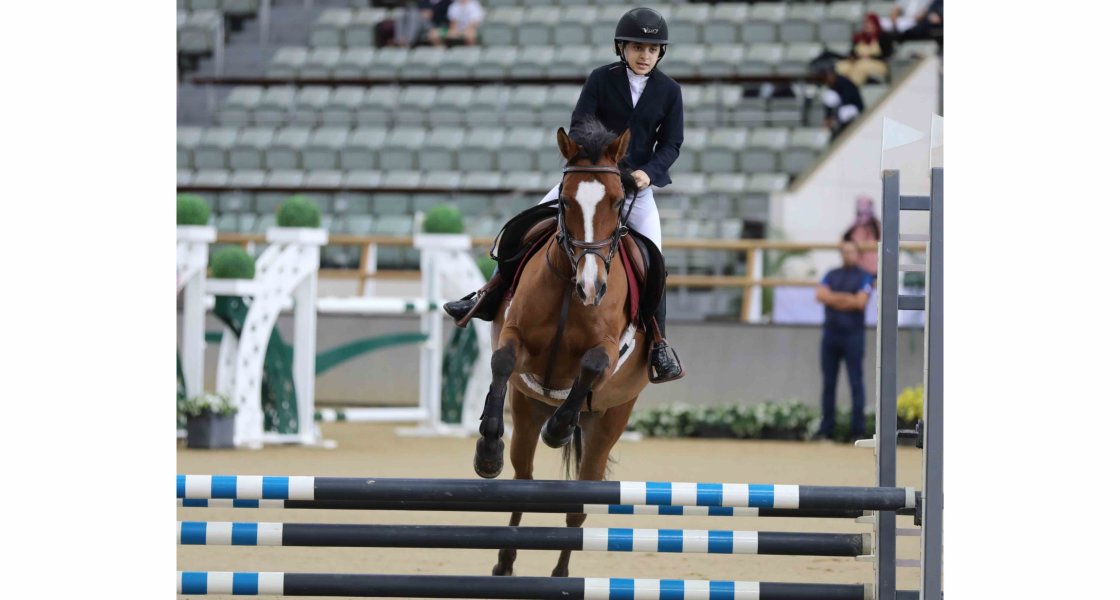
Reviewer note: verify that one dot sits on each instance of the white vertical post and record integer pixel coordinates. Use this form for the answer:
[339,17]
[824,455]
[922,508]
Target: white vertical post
[303,354]
[756,290]
[369,286]
[265,16]
[193,258]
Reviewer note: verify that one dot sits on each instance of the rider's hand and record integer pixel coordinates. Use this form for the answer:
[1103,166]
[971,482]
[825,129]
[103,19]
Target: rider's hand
[641,179]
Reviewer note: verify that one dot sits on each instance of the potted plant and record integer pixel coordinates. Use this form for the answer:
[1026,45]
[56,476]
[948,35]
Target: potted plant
[209,421]
[909,407]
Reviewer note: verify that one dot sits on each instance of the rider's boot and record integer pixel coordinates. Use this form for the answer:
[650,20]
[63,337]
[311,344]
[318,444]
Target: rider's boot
[482,304]
[664,365]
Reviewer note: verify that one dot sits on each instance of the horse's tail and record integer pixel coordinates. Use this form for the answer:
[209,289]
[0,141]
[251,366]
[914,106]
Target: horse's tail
[572,455]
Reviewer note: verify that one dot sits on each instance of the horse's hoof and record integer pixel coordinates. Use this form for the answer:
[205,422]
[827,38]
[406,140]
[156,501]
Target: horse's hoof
[555,440]
[500,570]
[488,457]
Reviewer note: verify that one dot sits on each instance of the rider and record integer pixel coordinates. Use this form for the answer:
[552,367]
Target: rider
[629,94]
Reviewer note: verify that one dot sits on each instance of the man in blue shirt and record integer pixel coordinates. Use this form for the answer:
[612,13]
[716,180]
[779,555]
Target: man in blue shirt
[844,293]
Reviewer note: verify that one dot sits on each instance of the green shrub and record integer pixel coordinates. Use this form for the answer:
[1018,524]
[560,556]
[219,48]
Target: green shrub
[232,262]
[207,403]
[443,218]
[298,211]
[486,265]
[910,404]
[191,210]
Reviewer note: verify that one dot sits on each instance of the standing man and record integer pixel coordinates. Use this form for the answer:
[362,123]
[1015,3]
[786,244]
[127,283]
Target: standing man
[844,293]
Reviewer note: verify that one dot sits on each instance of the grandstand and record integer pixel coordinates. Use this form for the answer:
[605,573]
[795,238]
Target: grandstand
[293,96]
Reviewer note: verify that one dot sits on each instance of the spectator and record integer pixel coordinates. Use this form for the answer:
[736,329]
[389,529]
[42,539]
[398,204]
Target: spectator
[465,17]
[866,230]
[842,100]
[424,21]
[916,20]
[844,293]
[869,48]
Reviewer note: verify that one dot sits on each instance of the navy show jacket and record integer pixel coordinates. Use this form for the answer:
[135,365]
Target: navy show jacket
[656,124]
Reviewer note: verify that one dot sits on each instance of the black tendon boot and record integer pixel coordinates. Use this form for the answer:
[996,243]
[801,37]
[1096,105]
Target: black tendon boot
[482,304]
[663,362]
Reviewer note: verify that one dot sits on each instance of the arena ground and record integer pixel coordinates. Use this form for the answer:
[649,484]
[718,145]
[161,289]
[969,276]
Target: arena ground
[374,449]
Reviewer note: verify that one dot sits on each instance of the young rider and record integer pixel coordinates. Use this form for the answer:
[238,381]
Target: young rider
[629,94]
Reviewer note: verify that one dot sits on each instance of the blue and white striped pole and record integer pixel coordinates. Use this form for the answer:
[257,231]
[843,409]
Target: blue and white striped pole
[530,507]
[523,538]
[529,588]
[240,487]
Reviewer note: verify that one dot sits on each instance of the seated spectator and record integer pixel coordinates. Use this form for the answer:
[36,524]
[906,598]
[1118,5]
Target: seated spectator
[465,16]
[869,48]
[426,21]
[841,98]
[916,20]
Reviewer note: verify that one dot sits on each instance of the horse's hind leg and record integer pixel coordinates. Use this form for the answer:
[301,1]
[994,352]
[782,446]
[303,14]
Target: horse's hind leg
[490,447]
[528,415]
[557,432]
[600,432]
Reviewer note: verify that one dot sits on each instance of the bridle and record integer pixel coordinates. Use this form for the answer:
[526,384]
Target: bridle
[571,246]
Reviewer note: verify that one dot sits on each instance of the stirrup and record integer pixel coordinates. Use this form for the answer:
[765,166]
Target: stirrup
[654,376]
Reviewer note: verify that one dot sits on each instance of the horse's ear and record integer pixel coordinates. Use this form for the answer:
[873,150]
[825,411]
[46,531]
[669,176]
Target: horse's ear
[617,149]
[568,148]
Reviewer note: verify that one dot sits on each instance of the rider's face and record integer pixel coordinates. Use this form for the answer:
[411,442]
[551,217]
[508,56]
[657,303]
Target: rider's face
[641,57]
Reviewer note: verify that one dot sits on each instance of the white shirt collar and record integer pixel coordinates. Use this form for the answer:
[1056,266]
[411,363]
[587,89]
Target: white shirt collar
[637,85]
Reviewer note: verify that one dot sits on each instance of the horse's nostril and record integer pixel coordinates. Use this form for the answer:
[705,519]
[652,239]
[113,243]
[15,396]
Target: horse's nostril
[602,291]
[579,292]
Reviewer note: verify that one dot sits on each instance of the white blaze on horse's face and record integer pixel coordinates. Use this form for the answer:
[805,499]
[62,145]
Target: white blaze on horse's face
[589,194]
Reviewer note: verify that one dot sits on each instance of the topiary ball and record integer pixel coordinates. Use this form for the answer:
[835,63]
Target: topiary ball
[232,262]
[298,211]
[486,265]
[443,218]
[191,210]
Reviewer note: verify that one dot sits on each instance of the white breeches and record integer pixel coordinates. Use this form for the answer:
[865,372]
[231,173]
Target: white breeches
[643,217]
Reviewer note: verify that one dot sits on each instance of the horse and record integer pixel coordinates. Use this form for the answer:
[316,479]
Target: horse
[565,346]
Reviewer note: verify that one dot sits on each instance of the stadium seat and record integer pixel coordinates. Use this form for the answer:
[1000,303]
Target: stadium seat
[720,153]
[360,150]
[440,151]
[536,27]
[453,105]
[688,23]
[525,103]
[721,60]
[499,28]
[284,153]
[573,27]
[342,107]
[354,63]
[422,62]
[321,62]
[400,149]
[763,148]
[805,145]
[388,63]
[378,105]
[249,150]
[413,104]
[520,151]
[458,63]
[478,152]
[212,151]
[328,28]
[761,59]
[237,109]
[324,147]
[695,140]
[841,21]
[186,140]
[359,32]
[310,102]
[275,104]
[571,62]
[801,22]
[761,25]
[723,25]
[684,60]
[287,62]
[558,106]
[532,61]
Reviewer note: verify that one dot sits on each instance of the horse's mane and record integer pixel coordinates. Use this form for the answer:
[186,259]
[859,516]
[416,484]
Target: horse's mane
[593,138]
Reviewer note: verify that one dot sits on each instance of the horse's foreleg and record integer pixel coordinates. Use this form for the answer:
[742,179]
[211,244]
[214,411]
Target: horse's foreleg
[528,415]
[600,433]
[558,431]
[490,447]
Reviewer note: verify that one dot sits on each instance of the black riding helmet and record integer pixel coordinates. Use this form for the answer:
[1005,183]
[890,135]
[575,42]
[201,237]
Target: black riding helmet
[641,25]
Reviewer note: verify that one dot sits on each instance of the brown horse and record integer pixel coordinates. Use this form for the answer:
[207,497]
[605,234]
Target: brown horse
[580,379]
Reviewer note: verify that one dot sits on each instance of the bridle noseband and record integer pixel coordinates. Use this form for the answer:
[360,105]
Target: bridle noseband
[570,246]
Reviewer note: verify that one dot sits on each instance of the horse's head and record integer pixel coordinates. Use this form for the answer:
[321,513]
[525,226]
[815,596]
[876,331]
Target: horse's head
[592,196]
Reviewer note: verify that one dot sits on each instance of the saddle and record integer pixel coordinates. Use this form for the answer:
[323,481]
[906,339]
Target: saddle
[529,231]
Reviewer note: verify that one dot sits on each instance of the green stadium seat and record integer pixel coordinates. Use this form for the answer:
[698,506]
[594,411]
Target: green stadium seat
[839,24]
[573,27]
[458,63]
[723,26]
[796,58]
[750,111]
[521,148]
[362,179]
[695,140]
[184,176]
[571,62]
[285,178]
[327,30]
[693,184]
[536,28]
[531,181]
[241,8]
[488,106]
[236,223]
[235,201]
[350,203]
[688,23]
[354,63]
[557,109]
[378,105]
[287,62]
[413,104]
[284,152]
[499,28]
[361,149]
[532,61]
[196,36]
[356,224]
[274,106]
[720,153]
[439,153]
[763,148]
[481,225]
[453,106]
[602,29]
[359,32]
[761,59]
[321,62]
[765,184]
[186,140]
[683,60]
[495,61]
[249,150]
[388,63]
[422,62]
[342,106]
[525,102]
[481,179]
[310,102]
[400,149]
[761,25]
[727,183]
[324,147]
[265,222]
[394,203]
[441,180]
[801,22]
[212,151]
[805,144]
[722,60]
[237,109]
[478,152]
